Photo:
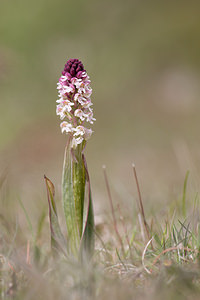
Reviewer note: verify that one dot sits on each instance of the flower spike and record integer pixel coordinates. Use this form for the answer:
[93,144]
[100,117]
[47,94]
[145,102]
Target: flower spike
[74,103]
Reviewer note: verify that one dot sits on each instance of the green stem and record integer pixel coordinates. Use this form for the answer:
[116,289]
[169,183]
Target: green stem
[73,193]
[79,186]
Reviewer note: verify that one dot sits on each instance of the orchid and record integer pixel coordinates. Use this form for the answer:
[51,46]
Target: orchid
[74,107]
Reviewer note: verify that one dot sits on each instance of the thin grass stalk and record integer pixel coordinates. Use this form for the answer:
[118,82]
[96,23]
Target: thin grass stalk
[112,209]
[141,204]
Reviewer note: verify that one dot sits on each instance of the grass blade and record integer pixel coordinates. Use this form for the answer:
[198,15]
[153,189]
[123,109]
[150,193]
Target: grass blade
[27,217]
[184,195]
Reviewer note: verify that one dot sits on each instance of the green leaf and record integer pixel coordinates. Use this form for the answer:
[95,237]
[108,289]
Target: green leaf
[58,242]
[87,241]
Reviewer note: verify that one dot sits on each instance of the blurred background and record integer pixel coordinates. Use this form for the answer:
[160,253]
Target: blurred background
[143,58]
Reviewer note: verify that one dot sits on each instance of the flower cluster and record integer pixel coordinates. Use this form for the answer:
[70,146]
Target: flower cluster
[74,103]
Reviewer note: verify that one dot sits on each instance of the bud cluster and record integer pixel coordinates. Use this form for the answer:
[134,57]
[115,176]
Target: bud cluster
[74,103]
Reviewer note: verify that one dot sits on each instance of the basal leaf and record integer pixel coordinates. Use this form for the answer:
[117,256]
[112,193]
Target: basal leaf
[58,241]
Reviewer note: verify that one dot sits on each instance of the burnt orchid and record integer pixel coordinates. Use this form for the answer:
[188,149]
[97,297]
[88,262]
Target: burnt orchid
[75,110]
[74,103]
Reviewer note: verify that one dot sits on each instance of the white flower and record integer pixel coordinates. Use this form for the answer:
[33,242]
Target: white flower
[65,126]
[79,130]
[87,92]
[62,78]
[63,108]
[60,111]
[85,102]
[80,133]
[77,97]
[89,117]
[80,114]
[77,82]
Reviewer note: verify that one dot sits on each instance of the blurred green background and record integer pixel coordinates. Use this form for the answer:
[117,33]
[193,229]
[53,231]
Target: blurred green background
[143,58]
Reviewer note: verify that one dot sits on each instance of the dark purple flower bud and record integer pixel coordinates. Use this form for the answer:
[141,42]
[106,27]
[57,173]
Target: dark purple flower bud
[72,72]
[74,67]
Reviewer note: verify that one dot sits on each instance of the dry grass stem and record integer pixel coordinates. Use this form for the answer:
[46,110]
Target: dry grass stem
[140,203]
[112,209]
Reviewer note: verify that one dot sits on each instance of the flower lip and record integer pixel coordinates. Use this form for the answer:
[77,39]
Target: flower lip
[74,67]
